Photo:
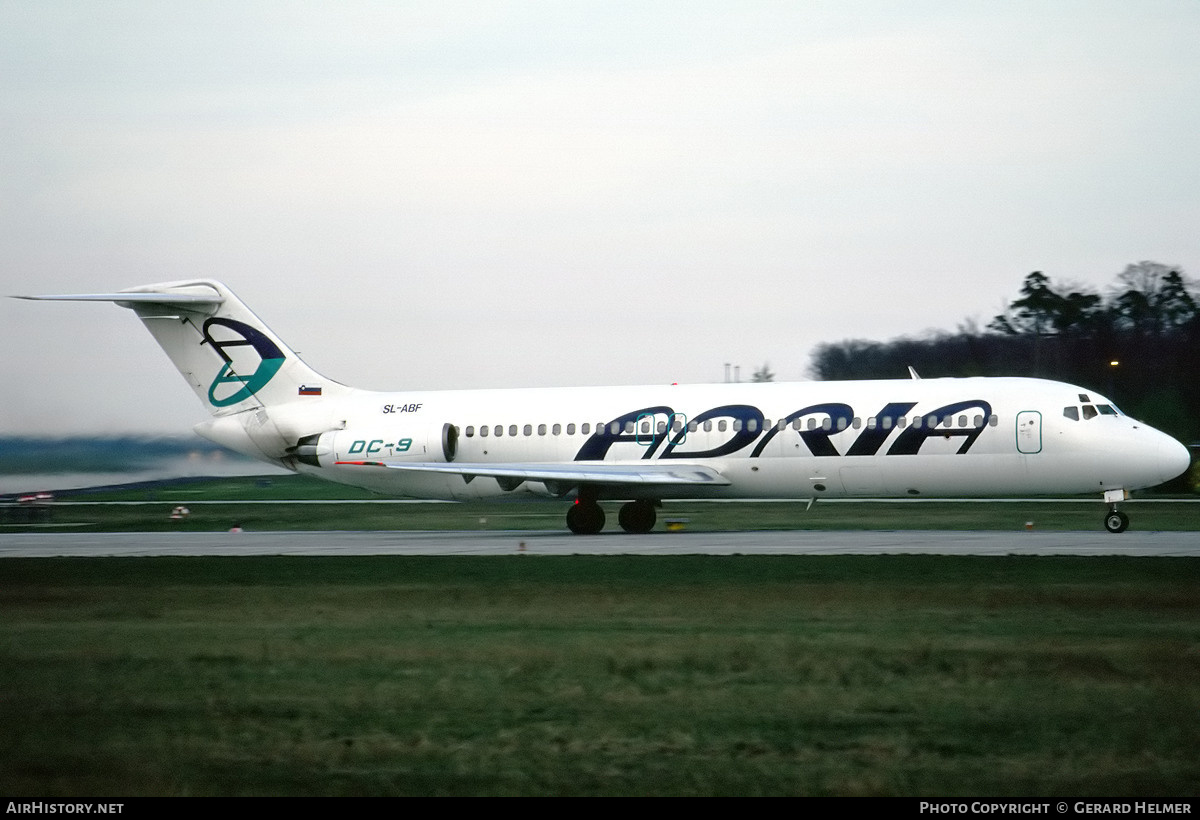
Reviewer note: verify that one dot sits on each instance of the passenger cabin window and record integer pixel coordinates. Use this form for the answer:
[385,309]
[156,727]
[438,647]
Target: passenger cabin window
[470,430]
[571,429]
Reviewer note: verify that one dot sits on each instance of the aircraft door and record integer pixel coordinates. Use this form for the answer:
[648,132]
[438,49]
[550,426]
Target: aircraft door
[1029,432]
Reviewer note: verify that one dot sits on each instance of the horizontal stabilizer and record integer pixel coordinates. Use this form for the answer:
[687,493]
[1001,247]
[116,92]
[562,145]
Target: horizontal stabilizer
[133,298]
[205,301]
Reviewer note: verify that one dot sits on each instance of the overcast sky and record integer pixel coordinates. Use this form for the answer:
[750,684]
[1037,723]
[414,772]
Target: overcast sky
[442,195]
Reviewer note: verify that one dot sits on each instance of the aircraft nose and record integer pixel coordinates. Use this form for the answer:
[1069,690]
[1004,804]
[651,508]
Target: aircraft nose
[1174,458]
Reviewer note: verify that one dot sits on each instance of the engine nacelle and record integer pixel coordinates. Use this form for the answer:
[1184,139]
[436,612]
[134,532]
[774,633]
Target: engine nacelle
[433,442]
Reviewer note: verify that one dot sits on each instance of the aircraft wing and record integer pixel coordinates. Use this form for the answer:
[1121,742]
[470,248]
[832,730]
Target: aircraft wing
[566,474]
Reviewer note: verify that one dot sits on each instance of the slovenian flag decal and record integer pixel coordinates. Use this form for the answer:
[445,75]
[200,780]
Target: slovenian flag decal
[305,390]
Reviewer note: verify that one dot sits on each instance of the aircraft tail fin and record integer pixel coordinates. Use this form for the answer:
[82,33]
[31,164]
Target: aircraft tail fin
[231,360]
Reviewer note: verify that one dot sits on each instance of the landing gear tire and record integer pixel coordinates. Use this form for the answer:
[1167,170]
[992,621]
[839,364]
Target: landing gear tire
[584,518]
[637,517]
[1116,521]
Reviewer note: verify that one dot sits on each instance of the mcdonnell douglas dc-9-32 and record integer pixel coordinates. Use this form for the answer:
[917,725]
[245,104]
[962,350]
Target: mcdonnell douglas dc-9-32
[903,438]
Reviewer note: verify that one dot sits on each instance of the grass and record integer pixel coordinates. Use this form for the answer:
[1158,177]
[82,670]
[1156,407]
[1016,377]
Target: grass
[682,675]
[217,504]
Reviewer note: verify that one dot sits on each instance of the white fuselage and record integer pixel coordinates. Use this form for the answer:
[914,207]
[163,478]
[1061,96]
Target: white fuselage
[901,438]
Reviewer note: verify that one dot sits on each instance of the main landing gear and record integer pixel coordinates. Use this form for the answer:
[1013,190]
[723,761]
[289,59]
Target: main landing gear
[585,517]
[637,516]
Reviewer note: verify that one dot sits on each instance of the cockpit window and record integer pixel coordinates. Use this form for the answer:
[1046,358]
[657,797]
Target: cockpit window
[1072,413]
[1089,412]
[1106,409]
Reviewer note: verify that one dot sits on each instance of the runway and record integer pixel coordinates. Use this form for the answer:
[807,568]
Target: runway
[928,542]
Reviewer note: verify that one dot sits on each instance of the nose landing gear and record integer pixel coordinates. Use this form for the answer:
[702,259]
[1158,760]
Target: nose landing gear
[1115,520]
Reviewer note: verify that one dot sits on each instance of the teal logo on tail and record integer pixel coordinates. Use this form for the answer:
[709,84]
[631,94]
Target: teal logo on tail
[231,375]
